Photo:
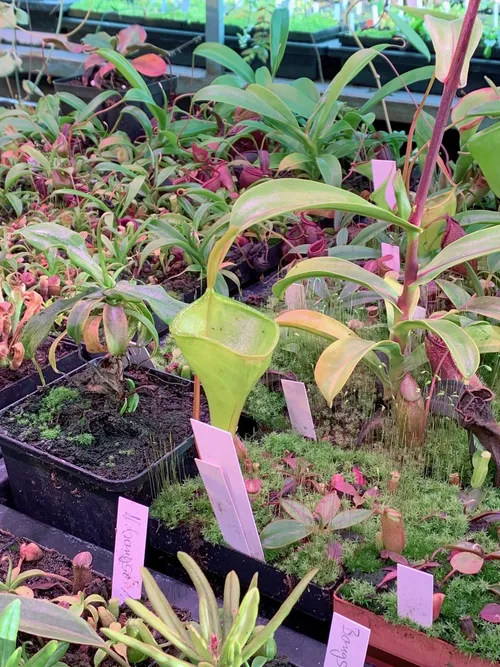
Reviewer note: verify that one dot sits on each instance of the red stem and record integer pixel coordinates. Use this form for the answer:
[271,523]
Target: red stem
[449,91]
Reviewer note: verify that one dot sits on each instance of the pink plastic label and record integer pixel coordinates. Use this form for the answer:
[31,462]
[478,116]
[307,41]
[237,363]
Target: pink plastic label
[295,297]
[381,170]
[130,546]
[299,409]
[395,262]
[419,313]
[222,505]
[415,590]
[217,447]
[347,643]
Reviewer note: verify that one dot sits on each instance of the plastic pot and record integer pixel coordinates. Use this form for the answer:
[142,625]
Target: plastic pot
[127,124]
[28,385]
[401,645]
[81,502]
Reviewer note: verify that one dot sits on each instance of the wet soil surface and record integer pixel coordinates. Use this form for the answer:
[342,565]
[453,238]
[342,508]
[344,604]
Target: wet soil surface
[8,377]
[89,431]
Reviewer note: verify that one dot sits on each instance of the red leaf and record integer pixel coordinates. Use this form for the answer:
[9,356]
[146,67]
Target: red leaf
[339,484]
[200,154]
[397,558]
[328,507]
[388,577]
[466,562]
[150,64]
[358,476]
[491,613]
[289,486]
[374,492]
[291,460]
[469,547]
[253,486]
[335,551]
[134,34]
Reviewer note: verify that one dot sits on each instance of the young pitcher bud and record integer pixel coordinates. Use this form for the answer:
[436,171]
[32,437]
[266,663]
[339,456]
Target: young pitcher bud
[54,286]
[379,541]
[480,463]
[455,479]
[105,616]
[82,574]
[467,628]
[393,532]
[437,603]
[30,552]
[410,412]
[393,485]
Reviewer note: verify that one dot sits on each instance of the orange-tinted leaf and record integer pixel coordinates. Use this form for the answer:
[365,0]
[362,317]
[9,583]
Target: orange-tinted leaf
[127,37]
[115,324]
[91,335]
[466,562]
[150,64]
[437,603]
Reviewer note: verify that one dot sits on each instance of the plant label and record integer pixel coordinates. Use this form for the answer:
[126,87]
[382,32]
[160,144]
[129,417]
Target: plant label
[419,313]
[139,356]
[130,547]
[295,297]
[395,261]
[347,643]
[382,171]
[222,505]
[415,590]
[216,446]
[298,407]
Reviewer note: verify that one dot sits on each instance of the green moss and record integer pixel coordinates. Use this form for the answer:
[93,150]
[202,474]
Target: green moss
[83,439]
[50,433]
[267,408]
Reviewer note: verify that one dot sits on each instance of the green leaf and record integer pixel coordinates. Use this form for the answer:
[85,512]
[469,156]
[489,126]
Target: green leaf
[38,327]
[337,363]
[483,147]
[126,69]
[330,169]
[84,195]
[307,87]
[485,336]
[268,631]
[48,620]
[332,267]
[278,35]
[349,518]
[132,191]
[456,294]
[421,13]
[478,244]
[294,99]
[273,198]
[283,532]
[204,591]
[294,161]
[488,306]
[89,110]
[161,303]
[273,100]
[161,605]
[49,655]
[461,346]
[47,235]
[413,76]
[352,67]
[157,655]
[143,97]
[223,55]
[119,168]
[411,35]
[19,170]
[298,511]
[9,626]
[244,99]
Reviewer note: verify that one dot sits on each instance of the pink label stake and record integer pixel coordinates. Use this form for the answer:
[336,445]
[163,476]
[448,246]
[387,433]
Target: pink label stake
[295,297]
[381,171]
[216,446]
[222,505]
[298,407]
[347,643]
[130,547]
[415,591]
